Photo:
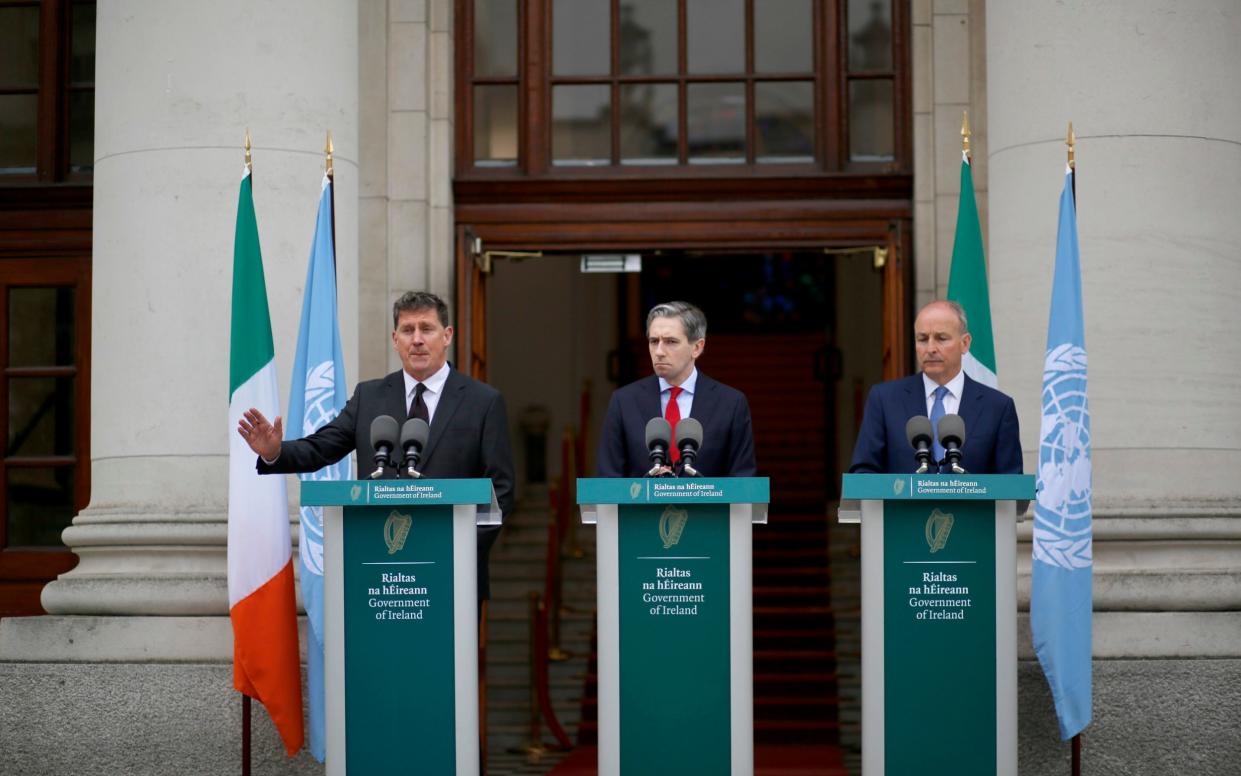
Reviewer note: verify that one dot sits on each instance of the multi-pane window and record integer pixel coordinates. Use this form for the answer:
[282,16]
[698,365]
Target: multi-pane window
[40,386]
[692,83]
[871,81]
[47,90]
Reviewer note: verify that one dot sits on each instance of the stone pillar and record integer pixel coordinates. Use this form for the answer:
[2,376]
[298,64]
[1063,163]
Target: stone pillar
[1151,89]
[406,124]
[949,78]
[178,85]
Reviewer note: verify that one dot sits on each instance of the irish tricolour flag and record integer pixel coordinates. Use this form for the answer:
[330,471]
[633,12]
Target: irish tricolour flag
[260,568]
[967,283]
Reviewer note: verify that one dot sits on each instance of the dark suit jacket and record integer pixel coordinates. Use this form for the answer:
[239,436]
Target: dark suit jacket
[992,441]
[727,436]
[469,438]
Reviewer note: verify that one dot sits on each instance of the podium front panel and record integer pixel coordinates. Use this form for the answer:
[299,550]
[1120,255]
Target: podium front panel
[939,634]
[675,656]
[939,612]
[401,625]
[673,598]
[399,639]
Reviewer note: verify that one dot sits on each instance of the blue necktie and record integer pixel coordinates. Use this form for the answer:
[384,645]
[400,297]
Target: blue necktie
[937,414]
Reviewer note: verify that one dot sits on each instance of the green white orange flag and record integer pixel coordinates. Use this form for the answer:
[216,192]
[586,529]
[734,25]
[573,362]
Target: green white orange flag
[261,599]
[967,283]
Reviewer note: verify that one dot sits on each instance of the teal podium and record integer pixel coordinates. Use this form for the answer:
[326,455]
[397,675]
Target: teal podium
[939,620]
[675,622]
[400,615]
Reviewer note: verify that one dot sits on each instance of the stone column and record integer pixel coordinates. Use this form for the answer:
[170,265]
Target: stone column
[178,85]
[1151,89]
[406,124]
[138,645]
[949,78]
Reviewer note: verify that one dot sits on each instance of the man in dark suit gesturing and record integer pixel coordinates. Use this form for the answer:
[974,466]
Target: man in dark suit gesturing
[469,425]
[676,334]
[992,441]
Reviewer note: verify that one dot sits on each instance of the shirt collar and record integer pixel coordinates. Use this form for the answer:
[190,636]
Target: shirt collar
[955,386]
[434,383]
[687,386]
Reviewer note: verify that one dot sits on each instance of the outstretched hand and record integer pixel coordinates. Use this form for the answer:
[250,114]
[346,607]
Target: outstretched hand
[263,437]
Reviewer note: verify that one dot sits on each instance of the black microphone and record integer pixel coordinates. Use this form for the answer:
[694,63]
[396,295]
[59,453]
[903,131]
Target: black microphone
[918,432]
[689,440]
[384,431]
[413,439]
[952,437]
[658,439]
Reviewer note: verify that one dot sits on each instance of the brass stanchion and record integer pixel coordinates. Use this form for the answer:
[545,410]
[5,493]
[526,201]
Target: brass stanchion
[533,748]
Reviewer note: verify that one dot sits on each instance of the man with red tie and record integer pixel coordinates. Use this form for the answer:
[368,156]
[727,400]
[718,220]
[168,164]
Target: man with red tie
[676,335]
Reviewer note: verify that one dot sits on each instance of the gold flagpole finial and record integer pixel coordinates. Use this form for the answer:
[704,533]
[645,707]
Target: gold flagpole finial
[249,164]
[327,149]
[1070,141]
[965,132]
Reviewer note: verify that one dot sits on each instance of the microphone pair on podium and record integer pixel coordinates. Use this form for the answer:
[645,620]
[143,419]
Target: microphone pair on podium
[386,434]
[951,438]
[659,442]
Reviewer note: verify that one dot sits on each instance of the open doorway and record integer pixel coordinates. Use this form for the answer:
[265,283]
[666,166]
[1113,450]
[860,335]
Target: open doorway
[802,334]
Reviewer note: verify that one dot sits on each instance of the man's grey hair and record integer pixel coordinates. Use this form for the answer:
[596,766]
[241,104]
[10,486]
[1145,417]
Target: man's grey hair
[691,318]
[412,301]
[956,309]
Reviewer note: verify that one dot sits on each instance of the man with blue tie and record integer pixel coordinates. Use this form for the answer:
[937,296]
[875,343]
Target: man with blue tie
[992,439]
[676,335]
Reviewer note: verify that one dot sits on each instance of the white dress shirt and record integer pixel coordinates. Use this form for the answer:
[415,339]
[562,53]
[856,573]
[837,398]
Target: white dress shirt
[431,396]
[685,399]
[952,400]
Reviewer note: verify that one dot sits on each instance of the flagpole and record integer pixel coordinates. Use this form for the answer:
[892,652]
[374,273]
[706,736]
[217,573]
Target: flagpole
[1070,140]
[965,136]
[245,699]
[331,176]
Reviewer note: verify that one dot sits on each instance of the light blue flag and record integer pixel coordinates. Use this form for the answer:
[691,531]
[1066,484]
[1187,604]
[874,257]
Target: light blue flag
[316,396]
[1060,594]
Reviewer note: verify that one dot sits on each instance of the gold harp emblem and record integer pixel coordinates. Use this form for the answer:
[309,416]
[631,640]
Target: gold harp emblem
[396,529]
[672,525]
[938,526]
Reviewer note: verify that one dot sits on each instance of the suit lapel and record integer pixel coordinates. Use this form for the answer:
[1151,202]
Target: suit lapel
[454,392]
[915,397]
[970,405]
[703,406]
[648,400]
[393,400]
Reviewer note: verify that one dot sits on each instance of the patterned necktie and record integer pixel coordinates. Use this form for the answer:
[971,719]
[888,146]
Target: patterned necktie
[937,414]
[672,414]
[418,407]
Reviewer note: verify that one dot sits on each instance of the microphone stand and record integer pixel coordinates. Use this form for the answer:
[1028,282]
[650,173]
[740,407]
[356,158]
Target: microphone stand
[923,456]
[688,454]
[952,456]
[659,468]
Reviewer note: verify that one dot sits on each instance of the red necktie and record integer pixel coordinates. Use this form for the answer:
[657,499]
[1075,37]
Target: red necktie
[673,414]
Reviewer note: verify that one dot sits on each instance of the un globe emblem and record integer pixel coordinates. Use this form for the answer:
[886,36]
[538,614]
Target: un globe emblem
[1062,513]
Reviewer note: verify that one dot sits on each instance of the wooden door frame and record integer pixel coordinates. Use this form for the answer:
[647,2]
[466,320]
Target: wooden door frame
[703,226]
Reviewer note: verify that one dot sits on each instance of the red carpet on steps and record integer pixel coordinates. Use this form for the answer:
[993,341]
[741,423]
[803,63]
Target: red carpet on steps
[792,760]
